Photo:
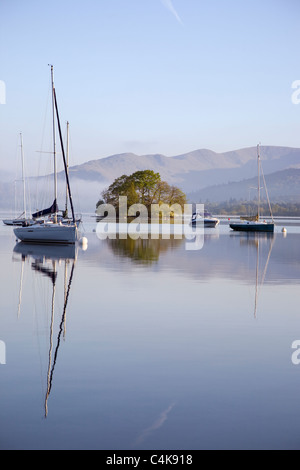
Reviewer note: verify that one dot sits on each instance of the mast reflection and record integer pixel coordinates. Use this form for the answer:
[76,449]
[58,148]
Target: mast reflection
[45,260]
[257,240]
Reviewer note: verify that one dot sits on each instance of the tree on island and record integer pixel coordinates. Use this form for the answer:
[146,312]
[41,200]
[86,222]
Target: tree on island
[142,187]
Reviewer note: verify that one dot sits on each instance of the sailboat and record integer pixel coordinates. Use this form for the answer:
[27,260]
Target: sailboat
[22,218]
[255,224]
[52,230]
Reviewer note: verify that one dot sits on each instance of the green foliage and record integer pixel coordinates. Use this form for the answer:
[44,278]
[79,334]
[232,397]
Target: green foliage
[145,183]
[142,187]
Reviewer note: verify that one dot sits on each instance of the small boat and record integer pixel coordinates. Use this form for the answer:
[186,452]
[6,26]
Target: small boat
[206,218]
[52,230]
[255,224]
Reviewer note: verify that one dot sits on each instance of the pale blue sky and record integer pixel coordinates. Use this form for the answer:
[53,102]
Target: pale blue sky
[149,76]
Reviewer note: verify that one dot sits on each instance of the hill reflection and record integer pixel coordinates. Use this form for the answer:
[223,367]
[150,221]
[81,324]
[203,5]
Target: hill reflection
[223,256]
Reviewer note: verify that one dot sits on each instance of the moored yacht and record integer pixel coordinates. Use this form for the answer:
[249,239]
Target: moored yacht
[206,218]
[48,232]
[52,230]
[256,223]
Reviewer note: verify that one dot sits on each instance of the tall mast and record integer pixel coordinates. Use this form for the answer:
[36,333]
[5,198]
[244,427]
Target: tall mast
[23,177]
[258,173]
[54,141]
[64,157]
[67,163]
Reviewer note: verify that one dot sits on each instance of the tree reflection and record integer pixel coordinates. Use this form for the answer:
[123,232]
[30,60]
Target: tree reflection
[145,251]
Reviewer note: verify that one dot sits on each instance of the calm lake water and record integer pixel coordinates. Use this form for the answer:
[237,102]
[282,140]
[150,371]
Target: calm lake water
[145,344]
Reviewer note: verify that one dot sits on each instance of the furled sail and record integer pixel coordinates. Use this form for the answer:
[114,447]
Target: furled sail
[50,210]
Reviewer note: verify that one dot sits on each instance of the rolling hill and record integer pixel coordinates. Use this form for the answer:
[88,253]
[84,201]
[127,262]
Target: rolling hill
[202,174]
[282,186]
[194,170]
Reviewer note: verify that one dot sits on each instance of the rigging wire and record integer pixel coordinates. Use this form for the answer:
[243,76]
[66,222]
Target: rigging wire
[266,189]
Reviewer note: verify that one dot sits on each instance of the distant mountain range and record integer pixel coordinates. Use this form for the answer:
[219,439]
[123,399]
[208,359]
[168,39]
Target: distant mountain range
[204,174]
[201,174]
[194,170]
[282,186]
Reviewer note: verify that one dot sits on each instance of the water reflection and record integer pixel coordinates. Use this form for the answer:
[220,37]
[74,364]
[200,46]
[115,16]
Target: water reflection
[45,252]
[252,258]
[256,240]
[145,251]
[146,318]
[158,423]
[45,260]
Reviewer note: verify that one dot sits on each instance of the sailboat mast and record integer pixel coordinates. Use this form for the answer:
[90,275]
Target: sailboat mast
[64,157]
[23,177]
[67,163]
[54,140]
[258,174]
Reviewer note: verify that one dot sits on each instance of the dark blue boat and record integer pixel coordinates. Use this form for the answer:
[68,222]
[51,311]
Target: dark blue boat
[255,224]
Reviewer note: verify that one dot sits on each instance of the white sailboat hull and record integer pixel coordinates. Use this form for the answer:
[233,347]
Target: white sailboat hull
[48,233]
[207,222]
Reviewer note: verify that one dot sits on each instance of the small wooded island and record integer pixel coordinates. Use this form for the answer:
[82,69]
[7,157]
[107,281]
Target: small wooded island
[142,187]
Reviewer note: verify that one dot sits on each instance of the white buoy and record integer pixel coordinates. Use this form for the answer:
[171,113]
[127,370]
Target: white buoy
[284,230]
[83,243]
